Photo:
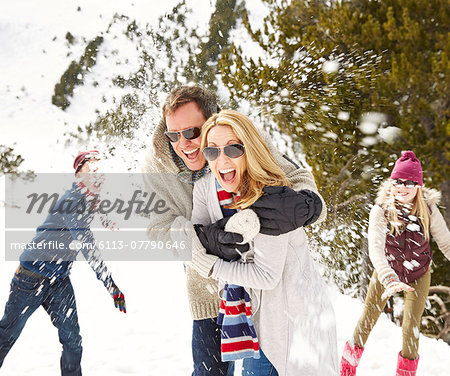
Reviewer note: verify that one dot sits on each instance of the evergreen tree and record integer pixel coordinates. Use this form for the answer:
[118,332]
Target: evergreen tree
[354,83]
[9,162]
[74,74]
[202,66]
[189,57]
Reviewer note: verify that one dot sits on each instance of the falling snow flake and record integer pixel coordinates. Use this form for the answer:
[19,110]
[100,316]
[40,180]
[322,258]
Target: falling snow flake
[413,227]
[368,127]
[330,66]
[343,115]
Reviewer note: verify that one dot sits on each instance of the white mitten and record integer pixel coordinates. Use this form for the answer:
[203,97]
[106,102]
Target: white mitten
[202,263]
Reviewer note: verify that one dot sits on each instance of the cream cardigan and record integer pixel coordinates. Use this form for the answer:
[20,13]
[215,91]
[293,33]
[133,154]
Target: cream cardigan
[292,313]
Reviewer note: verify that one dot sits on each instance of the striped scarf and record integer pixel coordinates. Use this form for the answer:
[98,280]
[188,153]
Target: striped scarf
[238,335]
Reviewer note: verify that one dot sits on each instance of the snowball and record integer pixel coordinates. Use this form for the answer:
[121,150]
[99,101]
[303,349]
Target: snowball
[278,108]
[246,223]
[343,115]
[330,66]
[389,134]
[330,135]
[368,127]
[368,141]
[373,117]
[299,110]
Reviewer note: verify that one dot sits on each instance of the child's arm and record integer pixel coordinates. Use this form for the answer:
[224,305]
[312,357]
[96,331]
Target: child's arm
[439,231]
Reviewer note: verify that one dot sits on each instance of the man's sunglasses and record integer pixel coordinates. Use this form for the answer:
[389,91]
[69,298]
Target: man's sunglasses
[188,134]
[211,153]
[405,183]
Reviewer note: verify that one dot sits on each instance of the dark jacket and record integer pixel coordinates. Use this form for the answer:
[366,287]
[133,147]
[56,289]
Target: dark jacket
[49,254]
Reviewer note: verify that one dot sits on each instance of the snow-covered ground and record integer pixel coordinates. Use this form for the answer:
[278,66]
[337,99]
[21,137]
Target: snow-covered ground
[153,338]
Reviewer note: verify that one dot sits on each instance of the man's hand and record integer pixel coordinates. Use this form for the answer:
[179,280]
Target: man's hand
[281,209]
[219,242]
[392,285]
[119,298]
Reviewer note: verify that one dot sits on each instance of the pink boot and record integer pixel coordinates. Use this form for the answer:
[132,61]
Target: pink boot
[350,359]
[406,367]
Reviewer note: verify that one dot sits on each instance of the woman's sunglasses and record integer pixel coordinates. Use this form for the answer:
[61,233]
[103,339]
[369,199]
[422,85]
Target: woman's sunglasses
[405,183]
[188,134]
[211,153]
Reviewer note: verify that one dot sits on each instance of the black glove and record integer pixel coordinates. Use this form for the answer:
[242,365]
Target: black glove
[281,209]
[219,242]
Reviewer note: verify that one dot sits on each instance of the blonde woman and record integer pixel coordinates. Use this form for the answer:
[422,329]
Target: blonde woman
[288,319]
[401,223]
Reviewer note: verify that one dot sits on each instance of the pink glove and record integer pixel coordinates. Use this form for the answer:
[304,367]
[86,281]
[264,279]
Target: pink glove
[392,285]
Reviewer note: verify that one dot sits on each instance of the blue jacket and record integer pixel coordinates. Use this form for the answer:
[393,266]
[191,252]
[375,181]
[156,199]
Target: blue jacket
[49,254]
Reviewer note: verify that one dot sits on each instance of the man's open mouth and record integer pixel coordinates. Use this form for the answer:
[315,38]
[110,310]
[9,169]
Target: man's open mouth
[191,154]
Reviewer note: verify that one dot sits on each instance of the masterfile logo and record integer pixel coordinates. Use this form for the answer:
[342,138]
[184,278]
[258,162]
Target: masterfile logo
[115,214]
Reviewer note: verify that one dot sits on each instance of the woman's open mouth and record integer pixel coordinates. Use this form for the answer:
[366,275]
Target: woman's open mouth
[228,175]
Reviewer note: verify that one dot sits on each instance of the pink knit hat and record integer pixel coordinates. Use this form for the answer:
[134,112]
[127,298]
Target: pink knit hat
[408,167]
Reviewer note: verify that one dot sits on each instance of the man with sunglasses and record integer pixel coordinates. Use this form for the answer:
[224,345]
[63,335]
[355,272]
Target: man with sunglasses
[172,166]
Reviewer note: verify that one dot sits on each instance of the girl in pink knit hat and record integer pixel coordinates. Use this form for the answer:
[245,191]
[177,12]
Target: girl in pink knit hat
[401,222]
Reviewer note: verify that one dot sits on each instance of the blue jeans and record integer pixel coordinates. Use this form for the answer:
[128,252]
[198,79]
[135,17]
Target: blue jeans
[258,367]
[206,349]
[29,291]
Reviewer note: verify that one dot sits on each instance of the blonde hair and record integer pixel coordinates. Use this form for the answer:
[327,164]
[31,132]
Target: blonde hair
[262,170]
[419,209]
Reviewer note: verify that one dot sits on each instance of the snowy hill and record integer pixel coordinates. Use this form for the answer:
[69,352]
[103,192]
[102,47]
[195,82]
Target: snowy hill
[153,338]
